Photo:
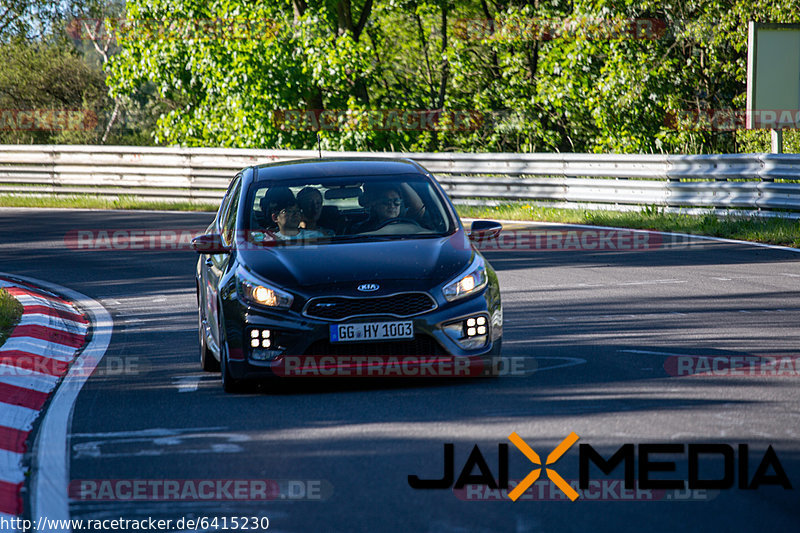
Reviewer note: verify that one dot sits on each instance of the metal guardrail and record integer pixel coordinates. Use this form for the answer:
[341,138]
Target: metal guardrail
[738,181]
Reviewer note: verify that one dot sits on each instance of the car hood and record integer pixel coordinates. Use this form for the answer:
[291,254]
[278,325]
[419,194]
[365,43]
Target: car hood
[432,259]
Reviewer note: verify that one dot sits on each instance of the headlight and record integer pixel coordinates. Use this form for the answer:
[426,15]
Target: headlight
[473,280]
[259,292]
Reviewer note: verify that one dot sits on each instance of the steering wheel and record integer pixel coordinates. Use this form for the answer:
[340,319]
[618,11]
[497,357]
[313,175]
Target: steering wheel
[398,220]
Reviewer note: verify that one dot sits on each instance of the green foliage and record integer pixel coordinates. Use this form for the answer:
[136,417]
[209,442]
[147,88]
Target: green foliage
[225,88]
[28,19]
[40,78]
[759,141]
[652,211]
[53,90]
[580,75]
[549,76]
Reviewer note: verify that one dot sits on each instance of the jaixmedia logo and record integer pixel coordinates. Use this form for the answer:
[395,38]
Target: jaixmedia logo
[644,467]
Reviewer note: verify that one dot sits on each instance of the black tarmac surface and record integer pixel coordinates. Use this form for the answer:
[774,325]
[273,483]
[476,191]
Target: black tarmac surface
[603,329]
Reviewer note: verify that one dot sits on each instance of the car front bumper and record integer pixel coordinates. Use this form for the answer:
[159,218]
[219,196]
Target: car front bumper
[296,340]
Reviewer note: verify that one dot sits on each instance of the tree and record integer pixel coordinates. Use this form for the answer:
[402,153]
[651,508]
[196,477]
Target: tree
[579,75]
[48,94]
[229,69]
[53,89]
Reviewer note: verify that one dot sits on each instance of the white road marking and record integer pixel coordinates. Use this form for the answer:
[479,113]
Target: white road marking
[570,361]
[186,383]
[648,352]
[163,443]
[620,284]
[150,432]
[651,282]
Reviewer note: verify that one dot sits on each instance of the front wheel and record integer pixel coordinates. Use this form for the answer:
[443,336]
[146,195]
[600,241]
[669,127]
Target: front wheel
[207,360]
[498,347]
[229,384]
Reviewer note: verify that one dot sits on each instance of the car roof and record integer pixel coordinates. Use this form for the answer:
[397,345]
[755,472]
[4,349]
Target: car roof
[330,167]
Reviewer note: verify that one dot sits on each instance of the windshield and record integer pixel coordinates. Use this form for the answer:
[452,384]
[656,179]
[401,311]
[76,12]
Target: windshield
[331,210]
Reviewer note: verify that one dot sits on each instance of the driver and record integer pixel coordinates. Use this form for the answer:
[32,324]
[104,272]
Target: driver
[384,202]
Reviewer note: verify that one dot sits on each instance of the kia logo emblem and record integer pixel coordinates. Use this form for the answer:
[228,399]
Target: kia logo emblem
[368,287]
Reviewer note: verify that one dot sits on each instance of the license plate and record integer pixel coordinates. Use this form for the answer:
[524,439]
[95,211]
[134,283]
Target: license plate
[372,331]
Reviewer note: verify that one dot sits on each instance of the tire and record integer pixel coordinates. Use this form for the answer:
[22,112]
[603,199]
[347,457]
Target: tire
[497,349]
[207,360]
[489,358]
[229,384]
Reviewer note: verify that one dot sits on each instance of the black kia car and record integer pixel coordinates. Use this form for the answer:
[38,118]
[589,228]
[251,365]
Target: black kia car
[339,258]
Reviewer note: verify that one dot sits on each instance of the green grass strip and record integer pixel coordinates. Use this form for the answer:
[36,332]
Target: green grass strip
[98,202]
[10,313]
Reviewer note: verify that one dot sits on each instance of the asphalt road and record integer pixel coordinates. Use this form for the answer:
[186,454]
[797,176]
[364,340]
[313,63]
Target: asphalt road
[601,327]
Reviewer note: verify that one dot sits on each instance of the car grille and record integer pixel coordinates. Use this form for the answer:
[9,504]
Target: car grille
[421,345]
[397,305]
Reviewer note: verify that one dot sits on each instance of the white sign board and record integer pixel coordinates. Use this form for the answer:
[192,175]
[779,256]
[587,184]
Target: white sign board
[773,76]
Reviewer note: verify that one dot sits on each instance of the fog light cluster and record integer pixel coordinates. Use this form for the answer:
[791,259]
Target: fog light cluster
[470,333]
[476,326]
[263,344]
[260,338]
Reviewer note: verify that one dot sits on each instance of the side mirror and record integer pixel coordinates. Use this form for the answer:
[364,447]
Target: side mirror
[209,244]
[484,229]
